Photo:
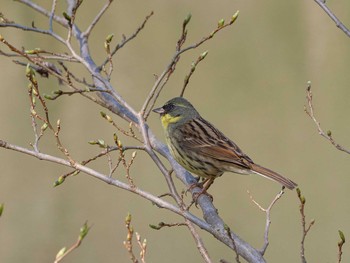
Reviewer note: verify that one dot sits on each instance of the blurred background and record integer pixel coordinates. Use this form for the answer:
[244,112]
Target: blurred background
[251,86]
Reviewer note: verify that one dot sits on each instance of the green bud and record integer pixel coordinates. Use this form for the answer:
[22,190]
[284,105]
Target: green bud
[103,114]
[35,92]
[101,143]
[1,208]
[187,20]
[33,51]
[48,97]
[30,52]
[59,181]
[204,54]
[92,142]
[329,133]
[58,92]
[154,227]
[302,200]
[341,235]
[44,126]
[221,23]
[61,252]
[84,231]
[234,17]
[106,46]
[308,86]
[67,17]
[29,71]
[109,119]
[298,192]
[128,218]
[109,38]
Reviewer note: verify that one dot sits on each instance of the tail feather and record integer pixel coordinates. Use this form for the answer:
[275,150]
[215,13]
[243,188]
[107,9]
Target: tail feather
[267,173]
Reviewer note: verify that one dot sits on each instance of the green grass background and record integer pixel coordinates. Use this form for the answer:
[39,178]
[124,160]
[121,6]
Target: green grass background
[251,86]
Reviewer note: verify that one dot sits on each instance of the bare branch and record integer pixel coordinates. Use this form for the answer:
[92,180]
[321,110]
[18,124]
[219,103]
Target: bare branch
[53,8]
[338,23]
[97,18]
[126,40]
[309,109]
[268,217]
[64,252]
[193,68]
[305,228]
[33,29]
[199,242]
[163,78]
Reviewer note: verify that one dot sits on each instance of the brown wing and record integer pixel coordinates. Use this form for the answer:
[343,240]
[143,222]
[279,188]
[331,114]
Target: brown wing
[203,139]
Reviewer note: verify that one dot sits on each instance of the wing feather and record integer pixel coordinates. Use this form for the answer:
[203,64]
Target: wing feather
[203,139]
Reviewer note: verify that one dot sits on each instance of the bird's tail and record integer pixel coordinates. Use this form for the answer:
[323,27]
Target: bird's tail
[267,173]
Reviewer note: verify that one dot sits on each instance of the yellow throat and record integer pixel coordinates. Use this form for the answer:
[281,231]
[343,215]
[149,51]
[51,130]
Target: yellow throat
[167,119]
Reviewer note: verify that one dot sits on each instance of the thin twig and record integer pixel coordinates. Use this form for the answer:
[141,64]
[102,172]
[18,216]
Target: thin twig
[309,109]
[43,11]
[193,68]
[129,244]
[59,93]
[268,217]
[155,158]
[228,230]
[33,29]
[53,8]
[163,78]
[142,246]
[305,228]
[126,40]
[97,18]
[199,242]
[340,245]
[64,252]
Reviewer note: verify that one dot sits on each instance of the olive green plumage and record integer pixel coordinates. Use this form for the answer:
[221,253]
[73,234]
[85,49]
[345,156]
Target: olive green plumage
[202,149]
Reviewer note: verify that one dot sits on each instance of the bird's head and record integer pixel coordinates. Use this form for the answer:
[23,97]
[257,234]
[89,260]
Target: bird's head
[175,111]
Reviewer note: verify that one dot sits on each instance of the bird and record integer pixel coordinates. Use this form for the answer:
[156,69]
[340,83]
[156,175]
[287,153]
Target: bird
[202,149]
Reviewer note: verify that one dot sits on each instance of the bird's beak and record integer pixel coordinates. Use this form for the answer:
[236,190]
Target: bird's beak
[160,110]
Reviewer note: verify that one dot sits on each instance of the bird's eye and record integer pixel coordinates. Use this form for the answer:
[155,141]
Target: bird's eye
[168,107]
